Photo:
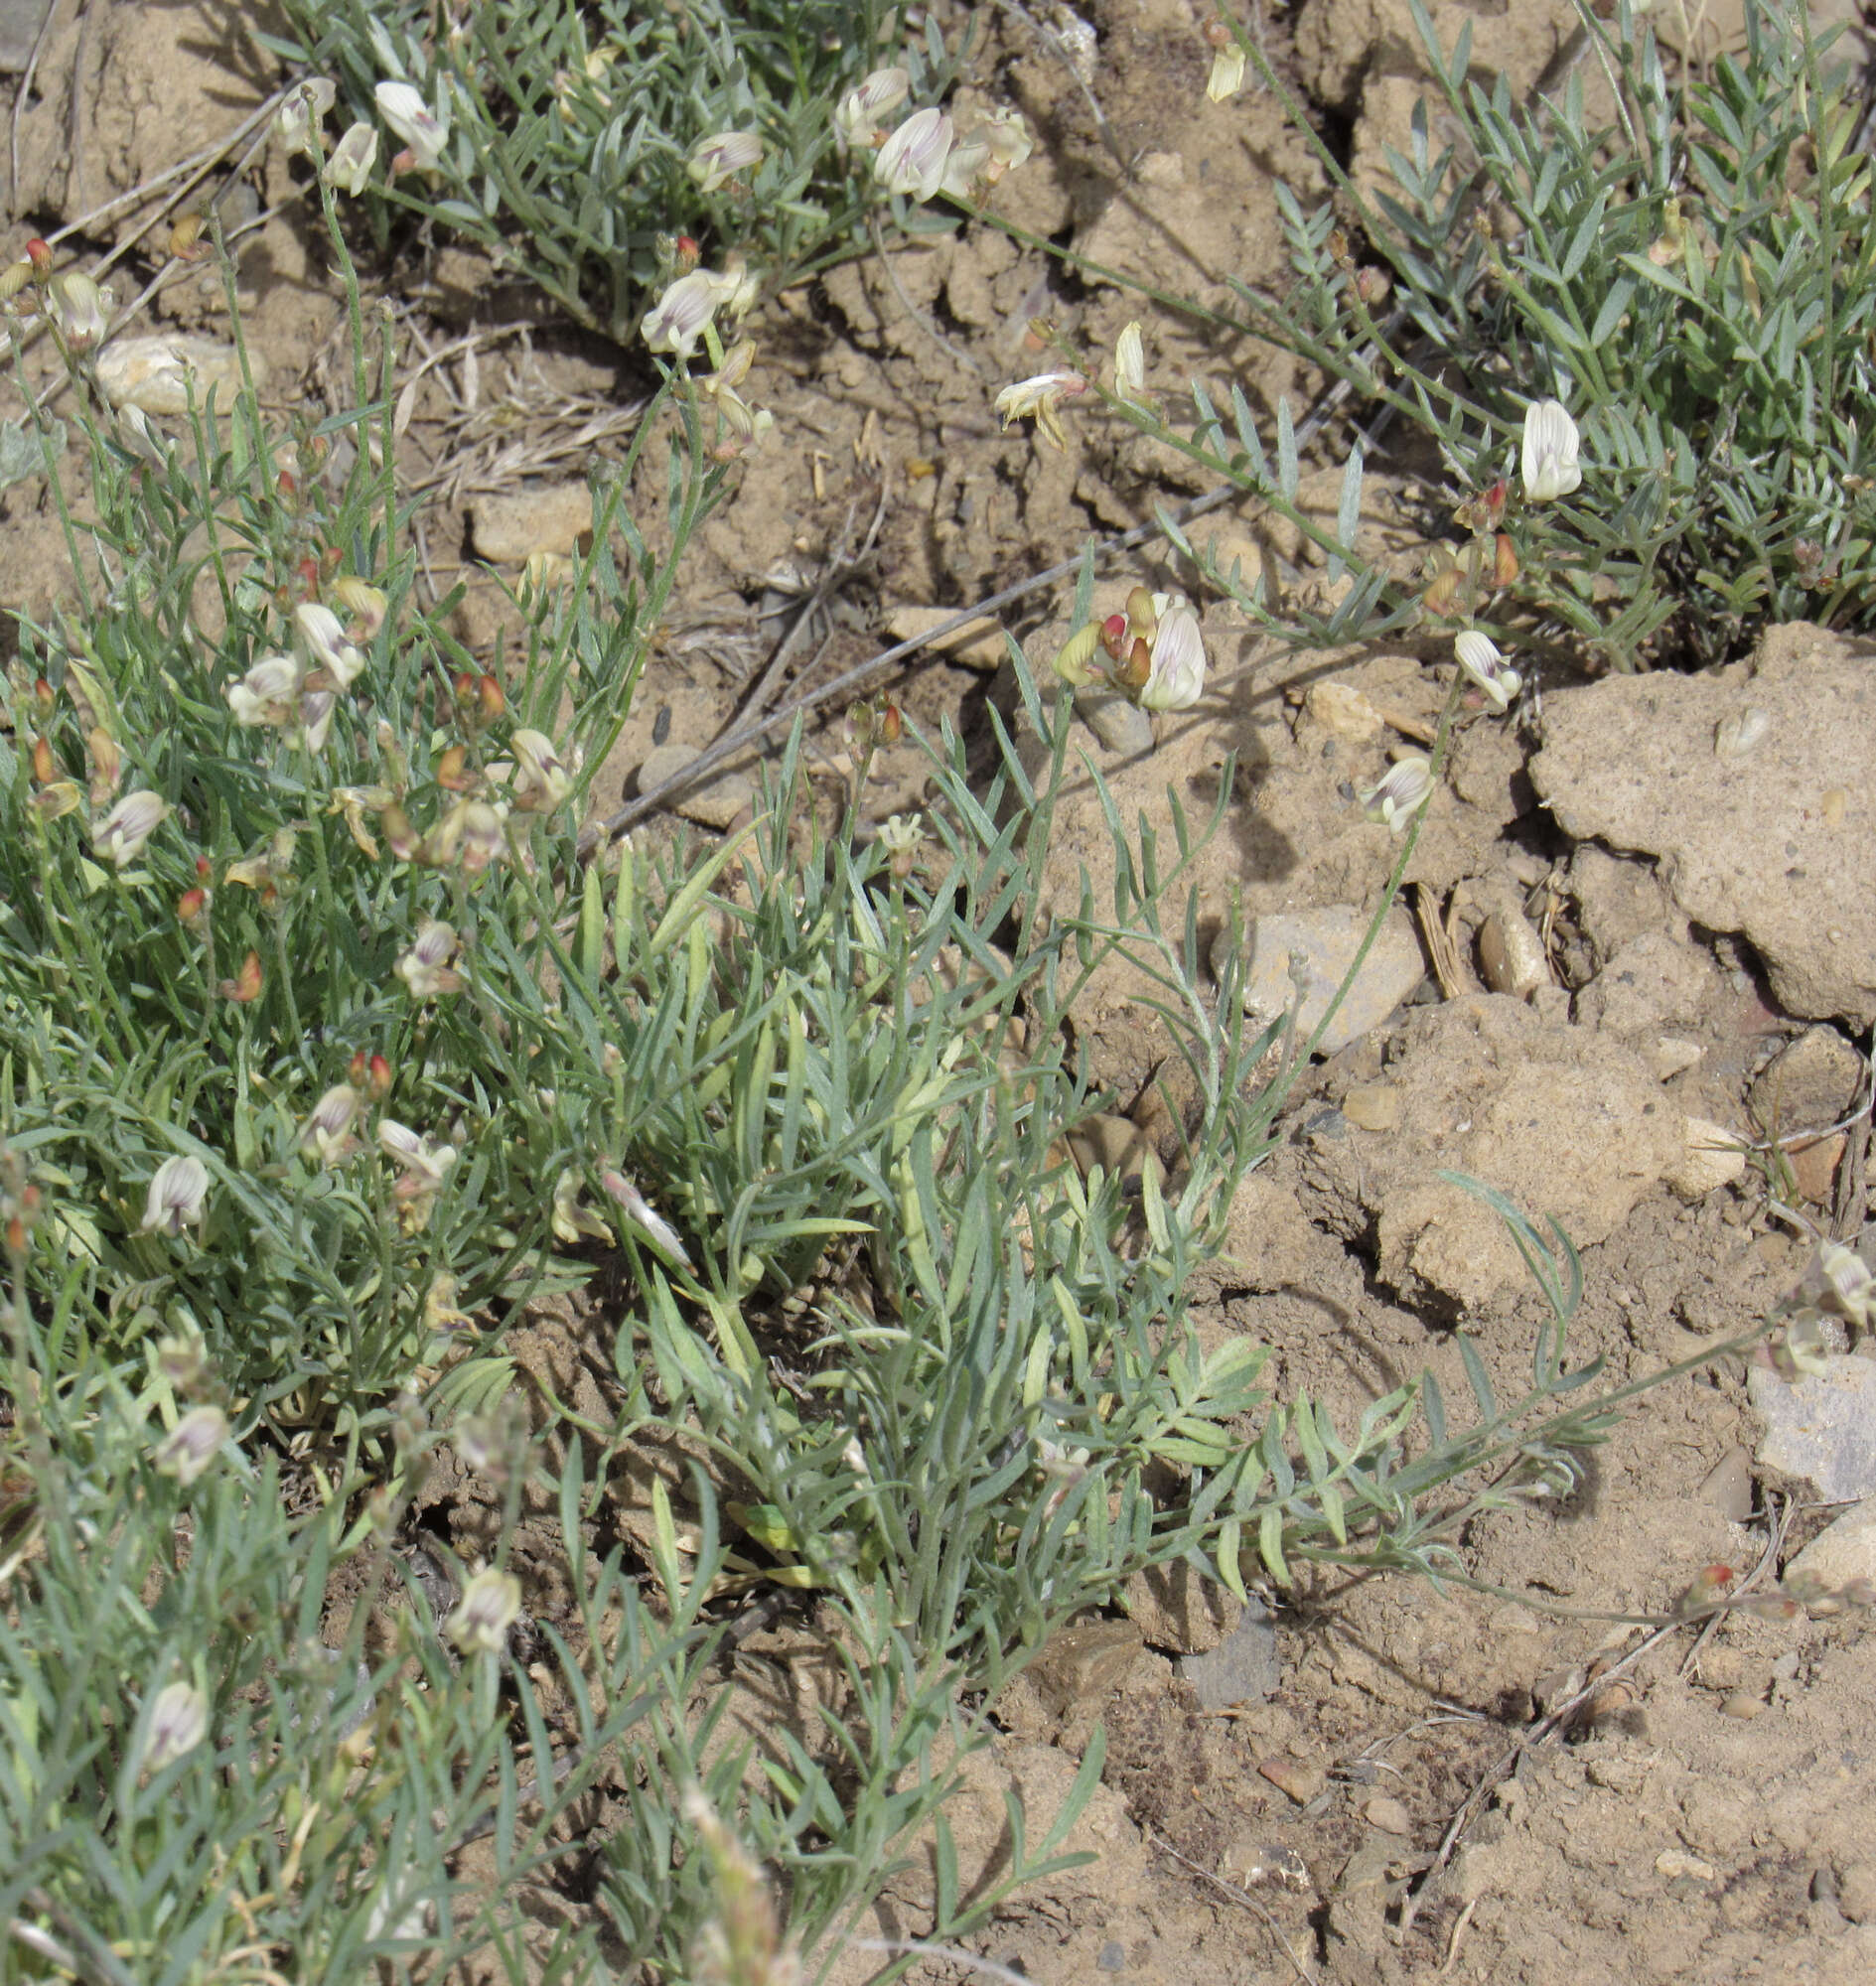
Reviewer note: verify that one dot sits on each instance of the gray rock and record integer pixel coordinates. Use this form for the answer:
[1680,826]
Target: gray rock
[1844,1552]
[1119,725]
[1245,1666]
[20,23]
[1823,1427]
[1329,940]
[1808,1085]
[1727,1485]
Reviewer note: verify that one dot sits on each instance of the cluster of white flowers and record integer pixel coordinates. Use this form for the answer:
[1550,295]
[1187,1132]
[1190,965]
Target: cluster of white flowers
[926,154]
[299,691]
[423,131]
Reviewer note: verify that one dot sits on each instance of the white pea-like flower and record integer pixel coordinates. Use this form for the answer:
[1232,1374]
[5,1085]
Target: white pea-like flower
[192,1445]
[1402,793]
[324,637]
[423,131]
[677,321]
[1549,453]
[912,161]
[120,836]
[266,694]
[542,779]
[1130,365]
[178,1721]
[1041,395]
[327,1132]
[1176,670]
[178,1189]
[348,170]
[857,116]
[489,1606]
[303,112]
[1481,659]
[722,157]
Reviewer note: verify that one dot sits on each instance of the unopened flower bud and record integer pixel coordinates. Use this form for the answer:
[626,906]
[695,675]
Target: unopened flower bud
[244,988]
[364,603]
[78,309]
[1074,655]
[1132,673]
[45,769]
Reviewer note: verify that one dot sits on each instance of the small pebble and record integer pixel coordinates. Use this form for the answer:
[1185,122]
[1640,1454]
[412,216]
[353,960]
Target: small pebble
[1743,1706]
[1289,1775]
[1674,1863]
[1373,1106]
[1387,1813]
[1114,1957]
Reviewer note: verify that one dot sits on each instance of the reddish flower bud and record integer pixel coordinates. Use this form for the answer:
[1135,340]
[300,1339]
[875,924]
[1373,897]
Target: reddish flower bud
[450,771]
[192,905]
[1441,594]
[45,700]
[689,254]
[285,486]
[39,254]
[378,1076]
[1504,567]
[1114,636]
[355,1071]
[204,867]
[491,702]
[1133,674]
[43,770]
[246,984]
[892,725]
[15,1235]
